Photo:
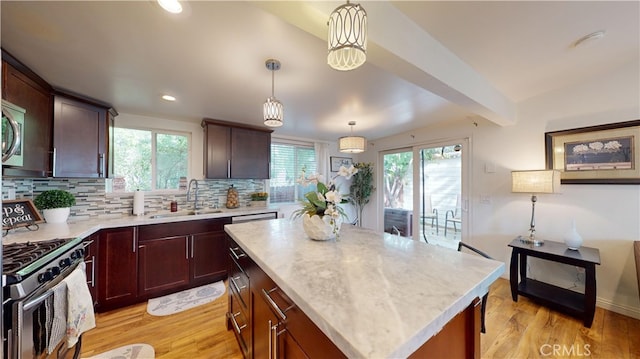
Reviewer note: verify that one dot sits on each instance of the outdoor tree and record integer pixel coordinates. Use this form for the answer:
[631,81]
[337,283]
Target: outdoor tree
[396,168]
[361,188]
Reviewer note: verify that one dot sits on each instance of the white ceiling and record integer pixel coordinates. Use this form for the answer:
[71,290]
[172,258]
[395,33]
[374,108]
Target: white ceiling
[428,62]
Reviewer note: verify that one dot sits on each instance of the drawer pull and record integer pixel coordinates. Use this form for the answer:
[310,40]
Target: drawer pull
[235,255]
[273,304]
[235,323]
[237,288]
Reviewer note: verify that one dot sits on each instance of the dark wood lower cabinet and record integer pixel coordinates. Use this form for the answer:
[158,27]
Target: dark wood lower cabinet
[117,268]
[134,264]
[208,253]
[91,263]
[163,265]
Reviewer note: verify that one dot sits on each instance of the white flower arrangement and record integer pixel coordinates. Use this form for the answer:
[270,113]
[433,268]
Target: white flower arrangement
[324,201]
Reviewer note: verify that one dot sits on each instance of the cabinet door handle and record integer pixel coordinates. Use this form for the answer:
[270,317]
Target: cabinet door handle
[93,271]
[193,242]
[186,248]
[54,162]
[102,165]
[235,255]
[273,304]
[228,168]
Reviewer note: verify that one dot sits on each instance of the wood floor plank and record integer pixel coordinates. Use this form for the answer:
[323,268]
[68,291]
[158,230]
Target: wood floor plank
[514,330]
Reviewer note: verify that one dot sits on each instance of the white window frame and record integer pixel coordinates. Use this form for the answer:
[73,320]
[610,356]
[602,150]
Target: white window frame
[289,142]
[154,133]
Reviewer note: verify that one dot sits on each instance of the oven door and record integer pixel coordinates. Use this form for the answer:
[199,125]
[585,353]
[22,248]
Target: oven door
[32,321]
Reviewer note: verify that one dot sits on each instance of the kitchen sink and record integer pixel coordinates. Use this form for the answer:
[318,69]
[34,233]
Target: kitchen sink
[186,213]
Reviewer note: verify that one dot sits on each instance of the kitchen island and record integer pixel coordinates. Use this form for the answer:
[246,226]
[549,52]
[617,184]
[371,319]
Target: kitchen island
[374,295]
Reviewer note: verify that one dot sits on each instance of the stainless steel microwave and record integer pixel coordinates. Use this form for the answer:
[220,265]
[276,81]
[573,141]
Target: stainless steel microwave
[11,135]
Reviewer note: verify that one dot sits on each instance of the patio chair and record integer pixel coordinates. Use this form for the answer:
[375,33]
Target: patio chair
[453,216]
[430,213]
[483,305]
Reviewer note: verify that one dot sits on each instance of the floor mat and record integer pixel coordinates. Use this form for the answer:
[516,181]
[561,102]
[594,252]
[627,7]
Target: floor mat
[187,299]
[133,351]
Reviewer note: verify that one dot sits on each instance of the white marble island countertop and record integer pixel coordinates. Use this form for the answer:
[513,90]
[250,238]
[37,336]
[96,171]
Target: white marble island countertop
[375,295]
[85,227]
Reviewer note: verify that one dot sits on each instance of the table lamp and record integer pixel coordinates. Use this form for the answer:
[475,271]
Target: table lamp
[538,181]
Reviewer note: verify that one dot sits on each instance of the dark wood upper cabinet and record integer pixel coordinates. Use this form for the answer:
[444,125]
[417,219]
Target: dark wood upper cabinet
[25,89]
[236,151]
[80,139]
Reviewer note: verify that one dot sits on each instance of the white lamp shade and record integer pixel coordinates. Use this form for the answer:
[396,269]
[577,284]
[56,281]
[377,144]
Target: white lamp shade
[273,112]
[540,181]
[347,38]
[352,144]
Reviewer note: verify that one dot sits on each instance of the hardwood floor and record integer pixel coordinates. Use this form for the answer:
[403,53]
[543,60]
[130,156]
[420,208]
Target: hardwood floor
[514,330]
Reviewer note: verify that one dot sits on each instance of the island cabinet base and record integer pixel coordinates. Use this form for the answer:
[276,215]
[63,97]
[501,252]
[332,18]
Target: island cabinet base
[460,338]
[267,324]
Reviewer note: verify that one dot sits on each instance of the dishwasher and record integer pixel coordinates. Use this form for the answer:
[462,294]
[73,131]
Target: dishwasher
[254,217]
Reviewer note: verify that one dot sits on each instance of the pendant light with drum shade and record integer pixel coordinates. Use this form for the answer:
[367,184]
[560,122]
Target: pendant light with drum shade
[352,144]
[347,38]
[273,110]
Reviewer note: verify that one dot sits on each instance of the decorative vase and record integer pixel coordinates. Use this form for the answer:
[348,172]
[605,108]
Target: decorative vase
[320,228]
[572,238]
[56,215]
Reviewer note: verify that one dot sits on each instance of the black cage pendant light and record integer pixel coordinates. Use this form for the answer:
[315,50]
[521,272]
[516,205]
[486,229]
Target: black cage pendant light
[273,110]
[347,39]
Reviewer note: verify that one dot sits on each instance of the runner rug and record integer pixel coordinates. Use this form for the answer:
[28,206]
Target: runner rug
[133,351]
[187,299]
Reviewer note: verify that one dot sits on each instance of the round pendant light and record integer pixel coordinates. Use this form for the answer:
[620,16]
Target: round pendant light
[347,39]
[273,110]
[352,144]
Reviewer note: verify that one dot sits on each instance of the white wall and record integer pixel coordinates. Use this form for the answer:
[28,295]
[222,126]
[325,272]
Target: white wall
[607,216]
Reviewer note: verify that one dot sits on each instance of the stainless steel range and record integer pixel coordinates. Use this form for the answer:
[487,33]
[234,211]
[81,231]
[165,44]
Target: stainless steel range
[30,271]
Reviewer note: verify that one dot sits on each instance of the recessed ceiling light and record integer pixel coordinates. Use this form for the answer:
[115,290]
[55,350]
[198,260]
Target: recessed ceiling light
[172,6]
[168,98]
[589,38]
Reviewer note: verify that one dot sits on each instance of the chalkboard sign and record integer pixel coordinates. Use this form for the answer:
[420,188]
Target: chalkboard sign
[19,213]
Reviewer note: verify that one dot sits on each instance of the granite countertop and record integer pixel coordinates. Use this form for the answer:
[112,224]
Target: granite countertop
[85,227]
[375,295]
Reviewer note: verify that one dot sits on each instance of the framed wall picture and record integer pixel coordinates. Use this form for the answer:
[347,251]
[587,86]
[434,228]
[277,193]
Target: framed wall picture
[336,162]
[604,154]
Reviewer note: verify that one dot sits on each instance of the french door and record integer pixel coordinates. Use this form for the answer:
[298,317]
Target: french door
[424,191]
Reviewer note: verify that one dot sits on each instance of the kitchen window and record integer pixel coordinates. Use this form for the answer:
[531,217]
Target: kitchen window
[287,162]
[149,160]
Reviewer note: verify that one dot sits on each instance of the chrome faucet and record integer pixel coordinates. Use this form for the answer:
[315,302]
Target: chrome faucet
[195,193]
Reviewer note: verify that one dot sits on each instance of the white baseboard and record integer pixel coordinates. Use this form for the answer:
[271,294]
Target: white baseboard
[620,309]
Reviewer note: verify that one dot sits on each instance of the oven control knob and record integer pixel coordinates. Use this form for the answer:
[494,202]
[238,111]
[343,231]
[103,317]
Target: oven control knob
[45,277]
[77,254]
[55,271]
[65,263]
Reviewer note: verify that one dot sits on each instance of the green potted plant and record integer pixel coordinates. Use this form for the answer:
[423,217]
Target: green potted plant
[259,199]
[55,205]
[361,188]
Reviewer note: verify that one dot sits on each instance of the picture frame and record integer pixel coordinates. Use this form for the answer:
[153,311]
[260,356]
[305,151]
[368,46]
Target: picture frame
[336,162]
[602,154]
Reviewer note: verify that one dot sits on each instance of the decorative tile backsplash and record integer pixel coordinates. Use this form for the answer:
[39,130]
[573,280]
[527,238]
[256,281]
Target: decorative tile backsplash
[92,201]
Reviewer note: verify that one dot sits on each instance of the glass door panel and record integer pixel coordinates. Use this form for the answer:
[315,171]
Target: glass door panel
[398,192]
[440,176]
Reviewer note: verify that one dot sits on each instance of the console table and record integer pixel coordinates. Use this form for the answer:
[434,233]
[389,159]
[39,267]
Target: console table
[581,305]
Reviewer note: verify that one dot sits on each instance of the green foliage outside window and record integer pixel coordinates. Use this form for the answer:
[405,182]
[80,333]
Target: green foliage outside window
[136,161]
